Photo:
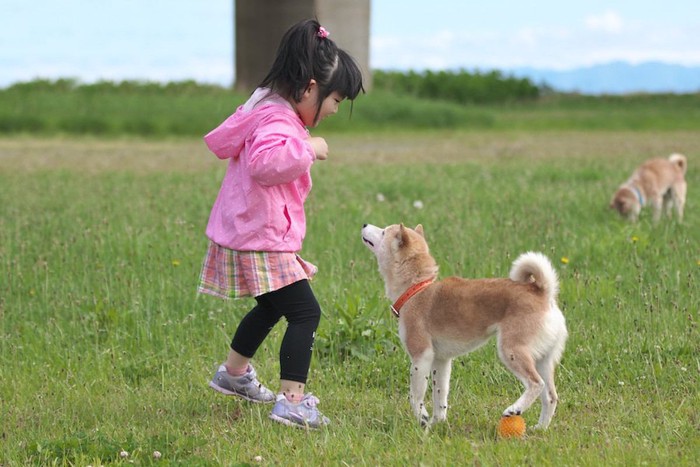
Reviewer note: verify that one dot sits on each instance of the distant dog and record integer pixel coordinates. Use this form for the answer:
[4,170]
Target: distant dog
[440,320]
[659,183]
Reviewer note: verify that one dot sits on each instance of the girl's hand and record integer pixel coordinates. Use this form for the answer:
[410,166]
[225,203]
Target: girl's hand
[320,147]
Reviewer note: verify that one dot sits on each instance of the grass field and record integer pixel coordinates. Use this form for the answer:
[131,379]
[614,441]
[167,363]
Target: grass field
[158,110]
[105,346]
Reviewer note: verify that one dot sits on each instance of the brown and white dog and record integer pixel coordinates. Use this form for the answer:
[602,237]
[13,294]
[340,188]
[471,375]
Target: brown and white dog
[440,320]
[659,183]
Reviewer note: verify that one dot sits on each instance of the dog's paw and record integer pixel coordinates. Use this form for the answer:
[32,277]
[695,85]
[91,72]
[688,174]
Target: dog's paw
[421,414]
[510,411]
[424,421]
[424,418]
[437,420]
[541,426]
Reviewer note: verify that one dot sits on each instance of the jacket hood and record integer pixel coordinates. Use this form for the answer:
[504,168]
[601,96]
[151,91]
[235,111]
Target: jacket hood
[227,140]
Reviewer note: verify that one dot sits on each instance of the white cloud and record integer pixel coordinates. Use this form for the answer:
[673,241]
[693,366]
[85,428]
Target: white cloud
[527,37]
[600,39]
[608,21]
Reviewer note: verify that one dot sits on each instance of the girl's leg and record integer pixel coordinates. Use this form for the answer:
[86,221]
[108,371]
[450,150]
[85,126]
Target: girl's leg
[297,303]
[251,332]
[236,364]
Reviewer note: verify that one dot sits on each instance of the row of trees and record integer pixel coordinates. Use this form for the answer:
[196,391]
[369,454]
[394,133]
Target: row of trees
[461,87]
[458,87]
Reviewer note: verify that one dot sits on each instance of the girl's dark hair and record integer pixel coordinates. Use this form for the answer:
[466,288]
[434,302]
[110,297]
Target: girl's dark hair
[303,55]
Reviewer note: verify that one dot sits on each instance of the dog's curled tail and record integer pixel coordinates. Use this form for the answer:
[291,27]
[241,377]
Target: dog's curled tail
[679,160]
[535,267]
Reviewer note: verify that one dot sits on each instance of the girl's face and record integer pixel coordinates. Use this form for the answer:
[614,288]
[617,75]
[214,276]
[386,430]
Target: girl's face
[306,108]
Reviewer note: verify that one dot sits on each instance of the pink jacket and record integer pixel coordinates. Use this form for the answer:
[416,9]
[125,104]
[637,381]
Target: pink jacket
[260,206]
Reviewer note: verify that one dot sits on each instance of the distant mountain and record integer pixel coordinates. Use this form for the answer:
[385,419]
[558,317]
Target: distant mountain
[618,78]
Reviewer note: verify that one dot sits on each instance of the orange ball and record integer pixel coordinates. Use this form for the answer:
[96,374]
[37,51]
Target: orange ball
[511,427]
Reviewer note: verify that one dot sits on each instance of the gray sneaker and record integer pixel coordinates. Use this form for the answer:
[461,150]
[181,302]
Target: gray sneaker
[246,386]
[303,414]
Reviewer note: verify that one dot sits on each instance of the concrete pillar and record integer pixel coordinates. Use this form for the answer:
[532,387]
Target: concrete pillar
[260,24]
[348,22]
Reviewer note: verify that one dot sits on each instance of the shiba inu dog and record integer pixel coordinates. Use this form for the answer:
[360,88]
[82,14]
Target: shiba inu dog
[440,320]
[659,183]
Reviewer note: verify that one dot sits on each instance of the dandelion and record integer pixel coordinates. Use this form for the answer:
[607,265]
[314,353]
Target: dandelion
[176,262]
[380,198]
[564,260]
[634,239]
[157,455]
[418,204]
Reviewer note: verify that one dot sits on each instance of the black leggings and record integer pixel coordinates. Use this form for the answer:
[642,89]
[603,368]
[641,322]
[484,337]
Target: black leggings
[297,303]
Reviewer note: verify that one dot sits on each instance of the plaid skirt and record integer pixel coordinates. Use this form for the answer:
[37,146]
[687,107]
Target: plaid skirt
[234,274]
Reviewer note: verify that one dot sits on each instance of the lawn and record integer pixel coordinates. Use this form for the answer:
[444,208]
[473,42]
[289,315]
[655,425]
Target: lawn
[106,347]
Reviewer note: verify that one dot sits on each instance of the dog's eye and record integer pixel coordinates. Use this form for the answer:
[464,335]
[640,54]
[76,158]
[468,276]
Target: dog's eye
[382,233]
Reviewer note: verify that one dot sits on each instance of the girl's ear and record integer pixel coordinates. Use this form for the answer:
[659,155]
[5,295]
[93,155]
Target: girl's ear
[310,86]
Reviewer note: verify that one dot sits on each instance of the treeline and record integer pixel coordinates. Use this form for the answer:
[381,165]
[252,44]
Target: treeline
[398,101]
[70,85]
[106,108]
[113,108]
[462,87]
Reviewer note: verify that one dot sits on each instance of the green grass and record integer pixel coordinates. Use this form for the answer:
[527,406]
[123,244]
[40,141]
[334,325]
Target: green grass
[106,347]
[160,110]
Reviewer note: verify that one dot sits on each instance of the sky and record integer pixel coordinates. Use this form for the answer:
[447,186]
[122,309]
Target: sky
[172,40]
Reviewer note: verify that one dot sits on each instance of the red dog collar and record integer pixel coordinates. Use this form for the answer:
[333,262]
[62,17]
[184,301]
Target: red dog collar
[414,289]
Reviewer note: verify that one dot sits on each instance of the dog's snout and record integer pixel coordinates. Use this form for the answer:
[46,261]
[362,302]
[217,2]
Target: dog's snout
[364,225]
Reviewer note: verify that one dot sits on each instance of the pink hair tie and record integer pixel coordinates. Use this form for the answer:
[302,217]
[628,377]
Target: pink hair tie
[323,32]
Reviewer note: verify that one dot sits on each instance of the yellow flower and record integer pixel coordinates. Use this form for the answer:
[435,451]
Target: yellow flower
[564,260]
[176,262]
[634,239]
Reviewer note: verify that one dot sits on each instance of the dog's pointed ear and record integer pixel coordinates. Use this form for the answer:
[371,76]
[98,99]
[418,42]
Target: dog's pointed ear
[419,230]
[403,235]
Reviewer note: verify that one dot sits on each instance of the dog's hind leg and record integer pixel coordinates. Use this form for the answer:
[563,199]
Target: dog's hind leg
[669,201]
[679,193]
[520,362]
[549,396]
[656,207]
[442,368]
[420,372]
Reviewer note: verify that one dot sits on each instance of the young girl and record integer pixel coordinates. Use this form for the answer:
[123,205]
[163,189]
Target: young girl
[257,224]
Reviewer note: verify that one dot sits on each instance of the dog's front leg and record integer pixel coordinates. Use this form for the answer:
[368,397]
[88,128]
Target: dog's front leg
[420,371]
[441,388]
